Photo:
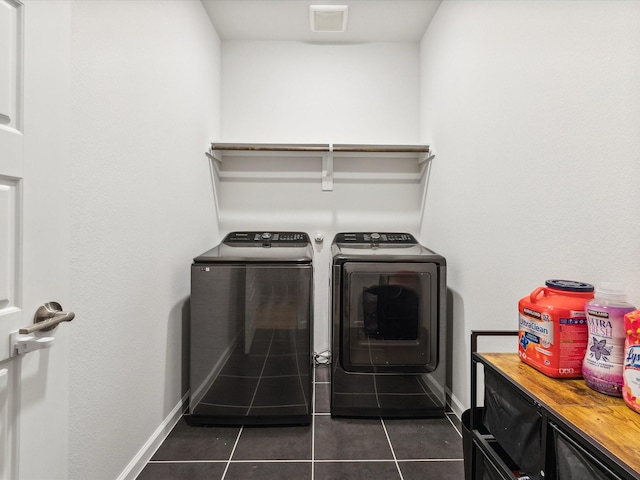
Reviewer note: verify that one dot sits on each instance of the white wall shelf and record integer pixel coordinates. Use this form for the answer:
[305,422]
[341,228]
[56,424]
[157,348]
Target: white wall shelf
[356,164]
[327,152]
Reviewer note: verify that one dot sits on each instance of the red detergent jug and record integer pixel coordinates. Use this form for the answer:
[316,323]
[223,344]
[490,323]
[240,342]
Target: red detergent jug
[553,331]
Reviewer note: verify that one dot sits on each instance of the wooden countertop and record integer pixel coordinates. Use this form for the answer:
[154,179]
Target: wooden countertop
[607,421]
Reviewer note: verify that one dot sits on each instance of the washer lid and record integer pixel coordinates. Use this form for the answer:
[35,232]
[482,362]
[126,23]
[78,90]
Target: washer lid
[381,247]
[374,239]
[260,247]
[266,239]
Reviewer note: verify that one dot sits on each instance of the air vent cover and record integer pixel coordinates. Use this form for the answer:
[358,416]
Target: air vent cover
[328,18]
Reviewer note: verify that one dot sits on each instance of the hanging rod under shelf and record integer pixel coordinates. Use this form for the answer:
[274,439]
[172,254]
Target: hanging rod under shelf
[268,147]
[321,148]
[382,148]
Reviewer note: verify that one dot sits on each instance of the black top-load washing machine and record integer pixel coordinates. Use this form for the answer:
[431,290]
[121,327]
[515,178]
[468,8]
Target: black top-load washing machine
[388,327]
[251,331]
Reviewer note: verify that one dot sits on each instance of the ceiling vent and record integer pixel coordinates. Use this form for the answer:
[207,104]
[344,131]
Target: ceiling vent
[328,18]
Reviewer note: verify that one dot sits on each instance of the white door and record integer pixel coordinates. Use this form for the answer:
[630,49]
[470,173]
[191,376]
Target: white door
[34,238]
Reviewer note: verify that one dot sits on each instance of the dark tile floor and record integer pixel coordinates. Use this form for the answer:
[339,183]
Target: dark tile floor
[329,449]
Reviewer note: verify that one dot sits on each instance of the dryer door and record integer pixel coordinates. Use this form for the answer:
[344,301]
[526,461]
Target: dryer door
[390,317]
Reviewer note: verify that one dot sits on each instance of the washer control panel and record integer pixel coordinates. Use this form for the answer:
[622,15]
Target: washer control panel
[376,238]
[261,239]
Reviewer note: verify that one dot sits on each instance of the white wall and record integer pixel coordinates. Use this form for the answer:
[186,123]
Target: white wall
[533,109]
[287,92]
[145,104]
[290,92]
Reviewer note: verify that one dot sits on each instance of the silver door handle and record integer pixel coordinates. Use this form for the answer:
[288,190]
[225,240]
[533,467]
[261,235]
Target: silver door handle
[47,317]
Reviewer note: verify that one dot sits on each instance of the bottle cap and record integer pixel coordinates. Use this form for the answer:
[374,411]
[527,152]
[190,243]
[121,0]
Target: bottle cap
[611,291]
[569,285]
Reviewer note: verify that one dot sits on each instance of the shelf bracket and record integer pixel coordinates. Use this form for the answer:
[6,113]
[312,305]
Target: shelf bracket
[214,155]
[425,156]
[327,170]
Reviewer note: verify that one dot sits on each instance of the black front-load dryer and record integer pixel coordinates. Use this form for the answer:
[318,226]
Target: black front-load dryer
[251,331]
[388,327]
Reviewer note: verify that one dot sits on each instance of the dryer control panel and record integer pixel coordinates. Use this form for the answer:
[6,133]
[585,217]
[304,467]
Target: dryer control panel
[260,239]
[375,237]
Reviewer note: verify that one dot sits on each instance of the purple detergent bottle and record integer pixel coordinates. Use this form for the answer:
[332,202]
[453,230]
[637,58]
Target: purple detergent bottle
[603,363]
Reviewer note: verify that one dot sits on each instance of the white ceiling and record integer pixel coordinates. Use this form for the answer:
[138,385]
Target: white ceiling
[368,20]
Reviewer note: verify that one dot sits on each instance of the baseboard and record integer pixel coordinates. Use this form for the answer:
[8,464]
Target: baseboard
[456,405]
[139,461]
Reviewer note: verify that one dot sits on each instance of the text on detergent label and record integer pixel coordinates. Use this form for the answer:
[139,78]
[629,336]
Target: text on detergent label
[532,313]
[599,326]
[633,357]
[597,313]
[543,329]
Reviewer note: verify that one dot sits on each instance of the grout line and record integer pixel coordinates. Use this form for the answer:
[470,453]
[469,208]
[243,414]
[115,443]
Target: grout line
[260,376]
[271,461]
[249,406]
[187,461]
[233,450]
[302,460]
[427,460]
[362,460]
[391,447]
[355,460]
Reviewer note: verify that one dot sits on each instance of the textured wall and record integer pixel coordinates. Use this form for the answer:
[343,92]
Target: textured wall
[533,109]
[303,92]
[145,104]
[294,92]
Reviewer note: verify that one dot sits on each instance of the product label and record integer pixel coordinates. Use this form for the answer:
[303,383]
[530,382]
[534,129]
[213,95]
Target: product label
[542,330]
[599,323]
[552,339]
[606,339]
[573,321]
[605,356]
[532,313]
[631,382]
[632,360]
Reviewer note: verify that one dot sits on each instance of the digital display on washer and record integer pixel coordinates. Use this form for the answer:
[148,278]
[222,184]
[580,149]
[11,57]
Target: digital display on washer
[259,238]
